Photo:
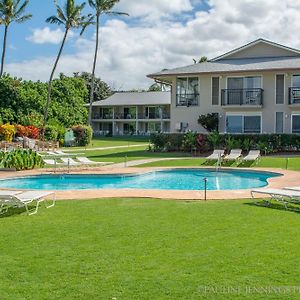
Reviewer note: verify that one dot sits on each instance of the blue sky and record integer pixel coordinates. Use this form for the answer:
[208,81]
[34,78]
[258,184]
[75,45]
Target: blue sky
[158,34]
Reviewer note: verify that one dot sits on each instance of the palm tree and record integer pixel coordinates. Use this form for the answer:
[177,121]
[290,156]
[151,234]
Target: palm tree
[100,7]
[70,16]
[11,11]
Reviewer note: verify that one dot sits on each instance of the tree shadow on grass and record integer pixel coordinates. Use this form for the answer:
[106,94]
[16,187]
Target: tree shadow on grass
[210,163]
[277,206]
[245,164]
[14,211]
[140,154]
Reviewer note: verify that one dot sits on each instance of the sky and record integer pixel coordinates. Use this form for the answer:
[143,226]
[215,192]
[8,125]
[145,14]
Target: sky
[158,34]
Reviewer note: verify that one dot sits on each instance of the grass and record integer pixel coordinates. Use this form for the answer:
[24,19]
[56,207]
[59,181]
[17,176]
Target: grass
[149,249]
[293,163]
[114,141]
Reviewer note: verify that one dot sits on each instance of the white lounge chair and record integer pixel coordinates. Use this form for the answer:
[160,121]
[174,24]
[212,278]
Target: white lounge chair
[253,155]
[216,155]
[53,162]
[61,153]
[70,161]
[281,195]
[234,154]
[23,199]
[85,160]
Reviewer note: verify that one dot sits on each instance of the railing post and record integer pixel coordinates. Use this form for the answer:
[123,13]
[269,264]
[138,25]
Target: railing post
[205,188]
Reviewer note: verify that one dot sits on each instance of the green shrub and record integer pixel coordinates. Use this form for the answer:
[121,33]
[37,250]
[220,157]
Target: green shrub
[210,122]
[21,160]
[83,134]
[268,143]
[51,133]
[189,141]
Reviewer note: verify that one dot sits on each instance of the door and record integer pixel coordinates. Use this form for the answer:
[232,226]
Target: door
[235,90]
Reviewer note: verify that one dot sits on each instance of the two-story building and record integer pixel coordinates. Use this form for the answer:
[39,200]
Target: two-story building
[128,113]
[253,89]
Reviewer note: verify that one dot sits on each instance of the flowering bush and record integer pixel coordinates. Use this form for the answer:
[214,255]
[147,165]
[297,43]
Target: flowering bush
[27,131]
[7,132]
[83,134]
[34,132]
[21,131]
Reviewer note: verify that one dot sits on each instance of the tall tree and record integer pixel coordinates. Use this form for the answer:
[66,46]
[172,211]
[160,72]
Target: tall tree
[11,11]
[101,7]
[70,16]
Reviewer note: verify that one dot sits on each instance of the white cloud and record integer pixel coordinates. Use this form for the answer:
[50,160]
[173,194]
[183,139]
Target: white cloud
[130,52]
[47,36]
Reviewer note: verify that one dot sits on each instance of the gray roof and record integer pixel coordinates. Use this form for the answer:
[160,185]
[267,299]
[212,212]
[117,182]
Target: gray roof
[136,98]
[234,65]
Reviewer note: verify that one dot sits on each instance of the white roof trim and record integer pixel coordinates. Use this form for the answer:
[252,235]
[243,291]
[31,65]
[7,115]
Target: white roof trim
[234,51]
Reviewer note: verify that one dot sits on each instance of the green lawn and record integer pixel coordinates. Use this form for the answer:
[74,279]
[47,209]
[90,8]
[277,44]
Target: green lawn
[115,141]
[293,163]
[149,249]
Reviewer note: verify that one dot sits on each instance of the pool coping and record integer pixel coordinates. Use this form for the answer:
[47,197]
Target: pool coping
[288,178]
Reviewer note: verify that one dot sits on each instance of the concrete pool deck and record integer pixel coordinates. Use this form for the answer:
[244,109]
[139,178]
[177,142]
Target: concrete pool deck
[289,178]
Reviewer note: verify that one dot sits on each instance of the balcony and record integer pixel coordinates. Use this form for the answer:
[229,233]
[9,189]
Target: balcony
[102,117]
[294,95]
[125,116]
[153,116]
[187,100]
[242,97]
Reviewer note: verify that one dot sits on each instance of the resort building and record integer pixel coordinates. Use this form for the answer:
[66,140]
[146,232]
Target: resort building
[132,113]
[253,89]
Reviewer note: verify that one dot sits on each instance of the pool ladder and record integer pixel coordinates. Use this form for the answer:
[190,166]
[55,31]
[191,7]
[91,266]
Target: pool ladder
[219,162]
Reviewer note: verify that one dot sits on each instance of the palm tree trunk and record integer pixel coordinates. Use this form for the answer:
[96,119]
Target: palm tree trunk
[93,72]
[50,82]
[4,50]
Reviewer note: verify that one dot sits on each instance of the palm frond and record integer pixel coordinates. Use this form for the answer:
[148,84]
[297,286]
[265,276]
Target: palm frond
[92,4]
[89,20]
[116,13]
[54,20]
[21,9]
[24,18]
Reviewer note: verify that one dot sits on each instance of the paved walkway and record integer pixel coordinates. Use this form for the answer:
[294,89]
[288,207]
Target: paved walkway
[104,148]
[134,163]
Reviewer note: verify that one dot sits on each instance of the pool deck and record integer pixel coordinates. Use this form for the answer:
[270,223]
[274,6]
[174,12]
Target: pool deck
[289,178]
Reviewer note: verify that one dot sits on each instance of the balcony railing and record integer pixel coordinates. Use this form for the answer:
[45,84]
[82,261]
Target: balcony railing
[294,95]
[125,116]
[102,117]
[153,116]
[242,97]
[187,100]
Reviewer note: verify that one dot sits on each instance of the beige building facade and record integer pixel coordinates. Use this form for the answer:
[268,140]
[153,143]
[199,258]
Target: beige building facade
[252,89]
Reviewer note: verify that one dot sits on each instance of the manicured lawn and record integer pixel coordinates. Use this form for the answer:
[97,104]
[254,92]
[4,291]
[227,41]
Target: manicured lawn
[149,249]
[293,163]
[115,141]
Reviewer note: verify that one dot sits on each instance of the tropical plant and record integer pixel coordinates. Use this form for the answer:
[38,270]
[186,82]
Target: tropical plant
[83,134]
[100,7]
[189,141]
[246,144]
[7,132]
[101,89]
[11,11]
[21,160]
[214,138]
[70,16]
[229,143]
[210,122]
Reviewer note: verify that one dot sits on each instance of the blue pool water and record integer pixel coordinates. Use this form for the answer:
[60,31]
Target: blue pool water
[180,179]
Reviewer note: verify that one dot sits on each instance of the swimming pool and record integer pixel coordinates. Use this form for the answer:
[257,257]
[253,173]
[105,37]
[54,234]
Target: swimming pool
[175,179]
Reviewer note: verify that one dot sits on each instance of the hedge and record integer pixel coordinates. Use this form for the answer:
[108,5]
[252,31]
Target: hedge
[267,143]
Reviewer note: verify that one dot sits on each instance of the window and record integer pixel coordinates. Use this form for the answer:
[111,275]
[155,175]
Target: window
[279,122]
[153,112]
[252,124]
[215,90]
[243,124]
[295,123]
[280,89]
[234,124]
[296,81]
[153,127]
[187,91]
